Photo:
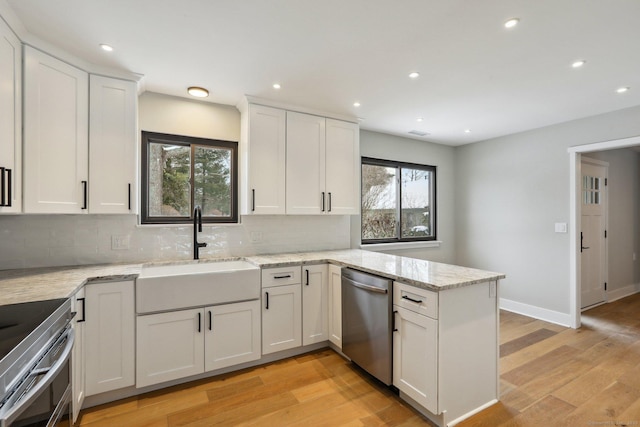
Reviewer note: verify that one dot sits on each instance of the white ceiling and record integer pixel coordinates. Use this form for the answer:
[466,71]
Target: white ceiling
[474,73]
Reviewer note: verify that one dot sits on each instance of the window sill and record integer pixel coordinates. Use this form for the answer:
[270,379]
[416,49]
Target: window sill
[401,245]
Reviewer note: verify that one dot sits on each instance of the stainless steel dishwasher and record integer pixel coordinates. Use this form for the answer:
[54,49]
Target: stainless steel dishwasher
[366,322]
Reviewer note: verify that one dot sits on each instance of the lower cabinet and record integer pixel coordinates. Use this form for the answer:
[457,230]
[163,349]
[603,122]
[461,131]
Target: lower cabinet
[335,305]
[182,343]
[109,340]
[78,368]
[281,318]
[415,349]
[315,301]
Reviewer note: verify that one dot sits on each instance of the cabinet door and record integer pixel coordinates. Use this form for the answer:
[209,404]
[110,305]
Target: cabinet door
[335,305]
[232,334]
[315,301]
[10,121]
[56,101]
[110,345]
[169,346]
[342,167]
[305,164]
[415,357]
[281,318]
[265,157]
[112,145]
[78,369]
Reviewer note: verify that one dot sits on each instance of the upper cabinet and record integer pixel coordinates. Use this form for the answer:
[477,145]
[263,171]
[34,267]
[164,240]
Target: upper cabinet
[112,145]
[10,121]
[263,151]
[298,164]
[56,102]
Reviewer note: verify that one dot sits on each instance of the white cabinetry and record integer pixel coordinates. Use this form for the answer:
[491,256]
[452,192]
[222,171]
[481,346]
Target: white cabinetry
[109,339]
[55,135]
[322,165]
[335,305]
[112,145]
[263,156]
[315,301]
[281,309]
[78,368]
[182,343]
[10,121]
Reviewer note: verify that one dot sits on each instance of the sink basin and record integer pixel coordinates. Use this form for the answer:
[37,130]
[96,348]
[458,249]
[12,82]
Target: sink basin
[177,286]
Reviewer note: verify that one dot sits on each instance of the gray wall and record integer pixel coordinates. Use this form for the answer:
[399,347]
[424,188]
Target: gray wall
[623,229]
[509,193]
[390,147]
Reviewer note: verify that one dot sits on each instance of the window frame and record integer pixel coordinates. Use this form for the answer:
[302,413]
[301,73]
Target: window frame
[191,142]
[433,200]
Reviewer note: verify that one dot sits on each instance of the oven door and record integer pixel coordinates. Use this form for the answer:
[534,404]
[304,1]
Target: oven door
[43,397]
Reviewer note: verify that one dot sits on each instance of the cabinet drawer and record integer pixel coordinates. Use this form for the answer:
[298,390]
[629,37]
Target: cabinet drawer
[416,299]
[280,276]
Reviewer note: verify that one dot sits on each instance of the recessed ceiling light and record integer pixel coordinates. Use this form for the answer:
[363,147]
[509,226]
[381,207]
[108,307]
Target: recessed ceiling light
[579,63]
[106,47]
[276,86]
[198,92]
[361,119]
[622,89]
[467,131]
[356,104]
[511,22]
[414,75]
[419,119]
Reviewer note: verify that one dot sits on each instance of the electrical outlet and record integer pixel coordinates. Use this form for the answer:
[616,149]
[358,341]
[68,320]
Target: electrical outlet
[561,227]
[255,236]
[119,243]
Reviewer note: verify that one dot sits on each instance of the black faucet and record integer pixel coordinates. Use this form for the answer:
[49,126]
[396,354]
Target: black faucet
[197,226]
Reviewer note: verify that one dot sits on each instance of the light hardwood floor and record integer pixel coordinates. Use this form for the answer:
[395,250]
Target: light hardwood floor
[550,376]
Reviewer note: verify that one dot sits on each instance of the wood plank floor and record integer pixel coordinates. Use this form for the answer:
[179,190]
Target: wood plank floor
[550,376]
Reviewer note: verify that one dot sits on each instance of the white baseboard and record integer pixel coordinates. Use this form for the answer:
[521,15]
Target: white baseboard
[562,319]
[617,294]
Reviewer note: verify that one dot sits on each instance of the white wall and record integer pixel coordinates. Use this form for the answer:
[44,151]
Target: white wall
[623,230]
[390,147]
[509,193]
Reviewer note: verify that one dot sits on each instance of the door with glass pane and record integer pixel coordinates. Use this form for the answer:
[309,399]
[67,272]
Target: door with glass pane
[592,235]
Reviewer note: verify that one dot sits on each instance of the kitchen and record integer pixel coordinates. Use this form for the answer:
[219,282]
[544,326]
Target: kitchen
[463,182]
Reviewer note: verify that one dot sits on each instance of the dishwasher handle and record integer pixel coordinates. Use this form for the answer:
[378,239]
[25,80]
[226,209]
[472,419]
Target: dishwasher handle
[366,287]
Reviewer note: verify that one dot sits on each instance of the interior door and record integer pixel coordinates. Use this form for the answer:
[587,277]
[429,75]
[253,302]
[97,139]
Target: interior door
[593,248]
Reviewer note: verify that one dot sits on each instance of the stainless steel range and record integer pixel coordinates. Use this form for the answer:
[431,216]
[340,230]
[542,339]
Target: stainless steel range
[35,348]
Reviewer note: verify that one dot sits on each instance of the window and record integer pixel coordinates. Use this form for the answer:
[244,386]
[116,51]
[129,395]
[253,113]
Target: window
[398,201]
[181,172]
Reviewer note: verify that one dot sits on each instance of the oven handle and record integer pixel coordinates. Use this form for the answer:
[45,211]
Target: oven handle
[25,401]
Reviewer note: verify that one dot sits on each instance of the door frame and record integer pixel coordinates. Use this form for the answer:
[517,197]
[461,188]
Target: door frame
[575,183]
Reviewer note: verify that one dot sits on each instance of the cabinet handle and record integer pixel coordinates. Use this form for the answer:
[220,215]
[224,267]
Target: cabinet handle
[84,195]
[329,210]
[306,270]
[282,277]
[84,312]
[323,201]
[210,321]
[417,301]
[393,321]
[267,298]
[199,322]
[2,185]
[129,196]
[8,204]
[253,199]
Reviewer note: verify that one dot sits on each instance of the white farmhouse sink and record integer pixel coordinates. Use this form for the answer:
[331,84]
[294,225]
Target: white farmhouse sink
[171,287]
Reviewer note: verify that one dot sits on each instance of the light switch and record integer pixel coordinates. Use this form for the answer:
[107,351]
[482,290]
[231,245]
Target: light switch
[561,227]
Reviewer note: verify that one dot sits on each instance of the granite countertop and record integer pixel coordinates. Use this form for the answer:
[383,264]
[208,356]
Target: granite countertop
[23,285]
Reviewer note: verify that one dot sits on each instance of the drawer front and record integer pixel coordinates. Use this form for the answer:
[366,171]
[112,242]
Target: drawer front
[281,276]
[418,300]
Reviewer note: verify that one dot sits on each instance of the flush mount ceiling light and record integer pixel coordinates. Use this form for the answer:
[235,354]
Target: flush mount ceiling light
[106,47]
[579,63]
[198,92]
[467,131]
[414,75]
[623,89]
[510,23]
[356,104]
[419,119]
[276,86]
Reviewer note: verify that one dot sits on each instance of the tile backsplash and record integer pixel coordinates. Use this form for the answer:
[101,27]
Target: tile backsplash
[54,240]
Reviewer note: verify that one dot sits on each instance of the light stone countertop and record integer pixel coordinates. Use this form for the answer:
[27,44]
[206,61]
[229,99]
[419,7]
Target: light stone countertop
[24,285]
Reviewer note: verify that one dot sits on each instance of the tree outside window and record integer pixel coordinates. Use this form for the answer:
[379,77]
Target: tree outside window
[398,201]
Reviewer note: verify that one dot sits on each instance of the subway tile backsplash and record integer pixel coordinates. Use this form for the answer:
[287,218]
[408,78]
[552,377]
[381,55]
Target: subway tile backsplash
[54,240]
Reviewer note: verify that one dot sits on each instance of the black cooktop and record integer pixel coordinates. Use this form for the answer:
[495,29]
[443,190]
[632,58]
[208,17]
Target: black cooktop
[17,321]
